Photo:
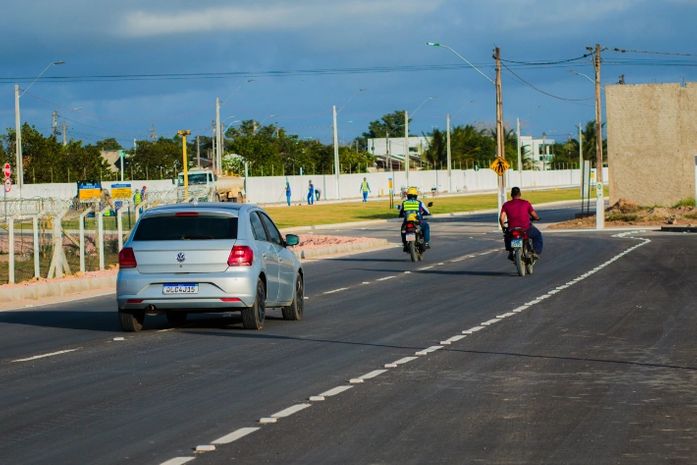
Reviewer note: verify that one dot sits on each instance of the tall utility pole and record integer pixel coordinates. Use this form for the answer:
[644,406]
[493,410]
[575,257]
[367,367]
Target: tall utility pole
[406,145]
[520,155]
[198,152]
[185,163]
[580,158]
[600,197]
[449,153]
[65,133]
[500,152]
[337,167]
[218,139]
[19,176]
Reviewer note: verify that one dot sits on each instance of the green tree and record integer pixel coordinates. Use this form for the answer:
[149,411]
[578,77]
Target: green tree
[391,124]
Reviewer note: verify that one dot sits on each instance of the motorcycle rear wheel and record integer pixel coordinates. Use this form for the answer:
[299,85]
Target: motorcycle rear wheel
[519,263]
[412,251]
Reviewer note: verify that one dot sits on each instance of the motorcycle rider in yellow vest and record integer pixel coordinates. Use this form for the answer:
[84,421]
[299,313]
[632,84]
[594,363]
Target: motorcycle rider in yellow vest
[413,205]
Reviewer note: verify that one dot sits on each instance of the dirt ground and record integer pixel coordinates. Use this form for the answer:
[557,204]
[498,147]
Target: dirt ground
[623,214]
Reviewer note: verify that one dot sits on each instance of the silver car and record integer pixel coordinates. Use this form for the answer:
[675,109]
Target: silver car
[211,257]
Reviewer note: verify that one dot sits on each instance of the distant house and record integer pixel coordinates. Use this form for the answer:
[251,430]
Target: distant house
[537,151]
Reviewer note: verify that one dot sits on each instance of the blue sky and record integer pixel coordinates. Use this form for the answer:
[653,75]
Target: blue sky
[288,62]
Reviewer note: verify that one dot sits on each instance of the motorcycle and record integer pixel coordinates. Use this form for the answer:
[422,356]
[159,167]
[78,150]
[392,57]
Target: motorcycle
[412,236]
[523,256]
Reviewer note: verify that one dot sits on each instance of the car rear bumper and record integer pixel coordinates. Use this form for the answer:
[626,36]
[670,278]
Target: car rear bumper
[217,292]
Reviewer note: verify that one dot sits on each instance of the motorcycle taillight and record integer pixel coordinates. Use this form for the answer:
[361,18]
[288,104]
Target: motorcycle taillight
[409,226]
[515,234]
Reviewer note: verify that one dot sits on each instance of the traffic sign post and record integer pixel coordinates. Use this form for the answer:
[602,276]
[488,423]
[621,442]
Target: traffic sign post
[7,169]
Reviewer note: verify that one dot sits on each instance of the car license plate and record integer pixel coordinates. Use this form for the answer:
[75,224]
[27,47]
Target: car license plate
[517,243]
[410,237]
[177,288]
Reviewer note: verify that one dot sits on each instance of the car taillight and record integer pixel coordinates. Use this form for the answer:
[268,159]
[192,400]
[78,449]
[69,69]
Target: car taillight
[186,214]
[127,259]
[240,255]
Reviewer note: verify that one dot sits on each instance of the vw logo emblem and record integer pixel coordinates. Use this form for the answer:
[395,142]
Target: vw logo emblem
[181,257]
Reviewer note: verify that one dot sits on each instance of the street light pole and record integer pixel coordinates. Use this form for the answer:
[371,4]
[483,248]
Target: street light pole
[337,167]
[406,146]
[18,126]
[449,154]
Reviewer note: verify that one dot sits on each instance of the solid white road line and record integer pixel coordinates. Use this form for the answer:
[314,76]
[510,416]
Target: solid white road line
[290,410]
[235,435]
[335,391]
[52,354]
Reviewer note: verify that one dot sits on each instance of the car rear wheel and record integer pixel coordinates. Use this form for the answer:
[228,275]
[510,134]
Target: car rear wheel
[253,317]
[176,318]
[295,310]
[132,322]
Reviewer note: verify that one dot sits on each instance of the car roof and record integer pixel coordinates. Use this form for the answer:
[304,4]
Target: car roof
[226,207]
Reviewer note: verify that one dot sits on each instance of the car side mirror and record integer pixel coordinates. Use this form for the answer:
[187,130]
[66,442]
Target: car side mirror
[292,239]
[430,204]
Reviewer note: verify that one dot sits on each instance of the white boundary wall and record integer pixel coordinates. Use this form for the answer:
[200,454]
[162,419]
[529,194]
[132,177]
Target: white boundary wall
[271,189]
[68,190]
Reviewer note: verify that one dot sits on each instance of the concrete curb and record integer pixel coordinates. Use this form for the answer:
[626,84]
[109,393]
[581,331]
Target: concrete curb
[34,291]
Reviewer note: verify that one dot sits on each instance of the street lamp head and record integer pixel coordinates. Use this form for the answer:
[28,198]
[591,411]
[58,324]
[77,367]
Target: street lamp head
[433,44]
[184,132]
[59,62]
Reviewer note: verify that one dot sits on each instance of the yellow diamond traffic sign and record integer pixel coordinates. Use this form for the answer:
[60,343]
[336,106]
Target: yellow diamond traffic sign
[500,165]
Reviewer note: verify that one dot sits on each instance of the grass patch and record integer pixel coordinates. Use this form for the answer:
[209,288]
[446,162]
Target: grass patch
[688,202]
[305,215]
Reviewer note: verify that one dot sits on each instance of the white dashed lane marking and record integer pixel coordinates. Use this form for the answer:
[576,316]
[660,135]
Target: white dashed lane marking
[235,435]
[290,410]
[372,374]
[335,391]
[52,354]
[336,290]
[178,461]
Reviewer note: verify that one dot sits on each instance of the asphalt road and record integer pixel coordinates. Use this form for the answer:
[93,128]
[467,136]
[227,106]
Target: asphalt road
[570,367]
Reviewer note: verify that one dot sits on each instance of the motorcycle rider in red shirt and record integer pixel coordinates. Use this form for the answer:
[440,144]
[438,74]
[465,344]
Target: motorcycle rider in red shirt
[517,213]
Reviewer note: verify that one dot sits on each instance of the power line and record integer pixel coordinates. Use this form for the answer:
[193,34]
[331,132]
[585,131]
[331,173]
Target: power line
[647,52]
[554,62]
[537,89]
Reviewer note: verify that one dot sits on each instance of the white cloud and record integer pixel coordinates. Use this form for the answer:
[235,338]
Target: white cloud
[278,16]
[526,14]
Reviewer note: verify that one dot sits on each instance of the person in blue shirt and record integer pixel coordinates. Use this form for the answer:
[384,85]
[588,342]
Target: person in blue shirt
[288,192]
[310,193]
[413,205]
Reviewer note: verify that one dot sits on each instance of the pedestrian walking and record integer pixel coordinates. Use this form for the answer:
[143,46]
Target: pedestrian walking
[310,193]
[288,192]
[365,189]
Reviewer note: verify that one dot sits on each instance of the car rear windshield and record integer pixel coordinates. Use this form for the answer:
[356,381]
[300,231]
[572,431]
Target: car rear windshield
[182,228]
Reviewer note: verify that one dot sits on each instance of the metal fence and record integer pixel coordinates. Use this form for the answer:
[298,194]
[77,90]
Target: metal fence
[50,238]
